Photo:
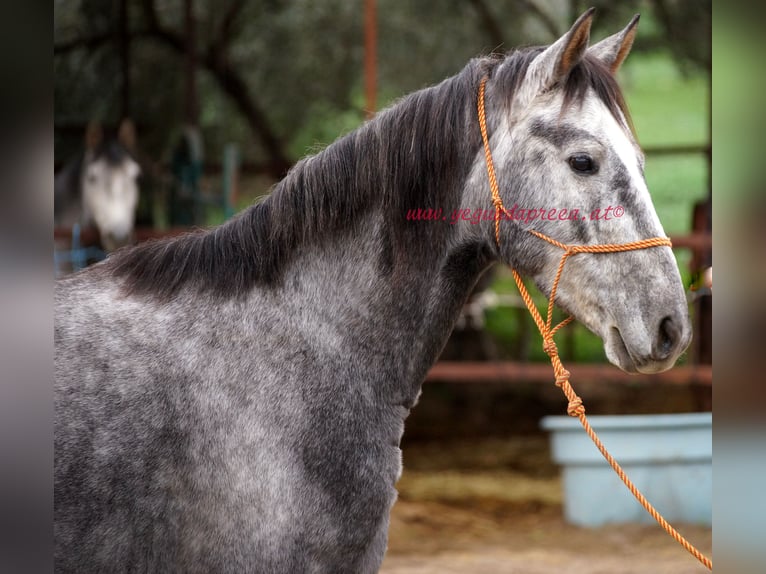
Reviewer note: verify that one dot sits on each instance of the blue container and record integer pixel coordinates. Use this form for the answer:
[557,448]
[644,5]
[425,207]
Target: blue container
[668,457]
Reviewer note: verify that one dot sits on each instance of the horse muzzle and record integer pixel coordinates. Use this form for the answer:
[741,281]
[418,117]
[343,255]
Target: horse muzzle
[651,350]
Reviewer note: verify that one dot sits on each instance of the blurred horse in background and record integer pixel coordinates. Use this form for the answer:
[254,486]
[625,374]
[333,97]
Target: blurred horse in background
[101,186]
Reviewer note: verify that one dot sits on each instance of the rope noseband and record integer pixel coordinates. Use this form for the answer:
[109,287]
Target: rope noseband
[575,407]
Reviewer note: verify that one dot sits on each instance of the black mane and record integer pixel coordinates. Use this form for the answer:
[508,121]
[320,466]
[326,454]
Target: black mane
[416,153]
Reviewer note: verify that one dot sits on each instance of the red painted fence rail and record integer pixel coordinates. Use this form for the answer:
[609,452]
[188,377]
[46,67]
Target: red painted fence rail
[517,372]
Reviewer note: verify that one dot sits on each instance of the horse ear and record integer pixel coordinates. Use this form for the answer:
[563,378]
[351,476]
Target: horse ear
[93,135]
[126,134]
[554,63]
[613,50]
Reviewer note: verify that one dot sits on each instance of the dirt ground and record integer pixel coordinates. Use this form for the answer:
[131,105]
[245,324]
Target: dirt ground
[495,507]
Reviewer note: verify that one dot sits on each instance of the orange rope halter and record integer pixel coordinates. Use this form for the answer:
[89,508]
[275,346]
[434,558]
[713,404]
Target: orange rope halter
[575,407]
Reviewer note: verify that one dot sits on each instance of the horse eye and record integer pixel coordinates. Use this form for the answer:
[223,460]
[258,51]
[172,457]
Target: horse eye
[583,163]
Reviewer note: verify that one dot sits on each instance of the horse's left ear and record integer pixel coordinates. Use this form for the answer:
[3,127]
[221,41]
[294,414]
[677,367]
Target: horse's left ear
[614,49]
[554,63]
[126,134]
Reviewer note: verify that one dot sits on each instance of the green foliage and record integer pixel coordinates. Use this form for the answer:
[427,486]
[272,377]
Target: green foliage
[668,107]
[517,335]
[676,183]
[324,124]
[300,61]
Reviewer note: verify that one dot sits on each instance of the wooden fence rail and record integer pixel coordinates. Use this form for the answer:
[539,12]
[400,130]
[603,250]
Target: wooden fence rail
[516,372]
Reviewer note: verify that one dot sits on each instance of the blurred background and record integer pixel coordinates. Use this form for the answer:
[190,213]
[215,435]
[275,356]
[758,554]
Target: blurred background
[216,100]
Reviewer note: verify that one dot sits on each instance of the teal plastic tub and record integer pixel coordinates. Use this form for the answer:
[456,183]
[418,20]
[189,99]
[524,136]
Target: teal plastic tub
[669,458]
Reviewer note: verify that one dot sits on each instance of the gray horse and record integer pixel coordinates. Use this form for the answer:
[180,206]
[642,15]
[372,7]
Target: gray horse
[100,186]
[233,400]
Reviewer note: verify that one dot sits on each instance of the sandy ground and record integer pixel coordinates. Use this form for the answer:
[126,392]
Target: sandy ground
[496,508]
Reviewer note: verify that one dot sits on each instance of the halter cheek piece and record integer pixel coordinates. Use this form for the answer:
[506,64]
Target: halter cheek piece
[575,407]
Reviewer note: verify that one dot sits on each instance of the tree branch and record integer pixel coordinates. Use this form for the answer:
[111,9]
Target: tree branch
[150,14]
[489,22]
[226,29]
[155,29]
[230,81]
[547,21]
[235,86]
[494,29]
[84,43]
[214,60]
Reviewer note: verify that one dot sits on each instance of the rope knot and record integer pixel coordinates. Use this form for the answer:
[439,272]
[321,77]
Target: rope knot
[549,346]
[562,378]
[575,408]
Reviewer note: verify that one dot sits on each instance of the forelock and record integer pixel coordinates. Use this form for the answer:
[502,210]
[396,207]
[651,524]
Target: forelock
[589,73]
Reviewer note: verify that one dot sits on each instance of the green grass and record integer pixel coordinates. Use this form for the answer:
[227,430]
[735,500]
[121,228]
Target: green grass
[669,110]
[676,183]
[511,326]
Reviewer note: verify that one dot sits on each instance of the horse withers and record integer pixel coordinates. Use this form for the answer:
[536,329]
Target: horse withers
[233,400]
[100,186]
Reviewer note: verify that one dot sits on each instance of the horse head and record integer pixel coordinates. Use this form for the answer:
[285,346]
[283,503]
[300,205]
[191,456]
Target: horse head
[109,185]
[570,165]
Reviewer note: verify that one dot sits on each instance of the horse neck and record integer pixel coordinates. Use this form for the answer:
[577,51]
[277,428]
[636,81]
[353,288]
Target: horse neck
[379,281]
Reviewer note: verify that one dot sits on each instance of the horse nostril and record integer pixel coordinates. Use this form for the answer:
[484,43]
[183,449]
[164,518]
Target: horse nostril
[668,337]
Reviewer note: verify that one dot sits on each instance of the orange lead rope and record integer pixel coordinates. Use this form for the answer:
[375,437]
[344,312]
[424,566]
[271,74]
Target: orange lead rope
[575,407]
